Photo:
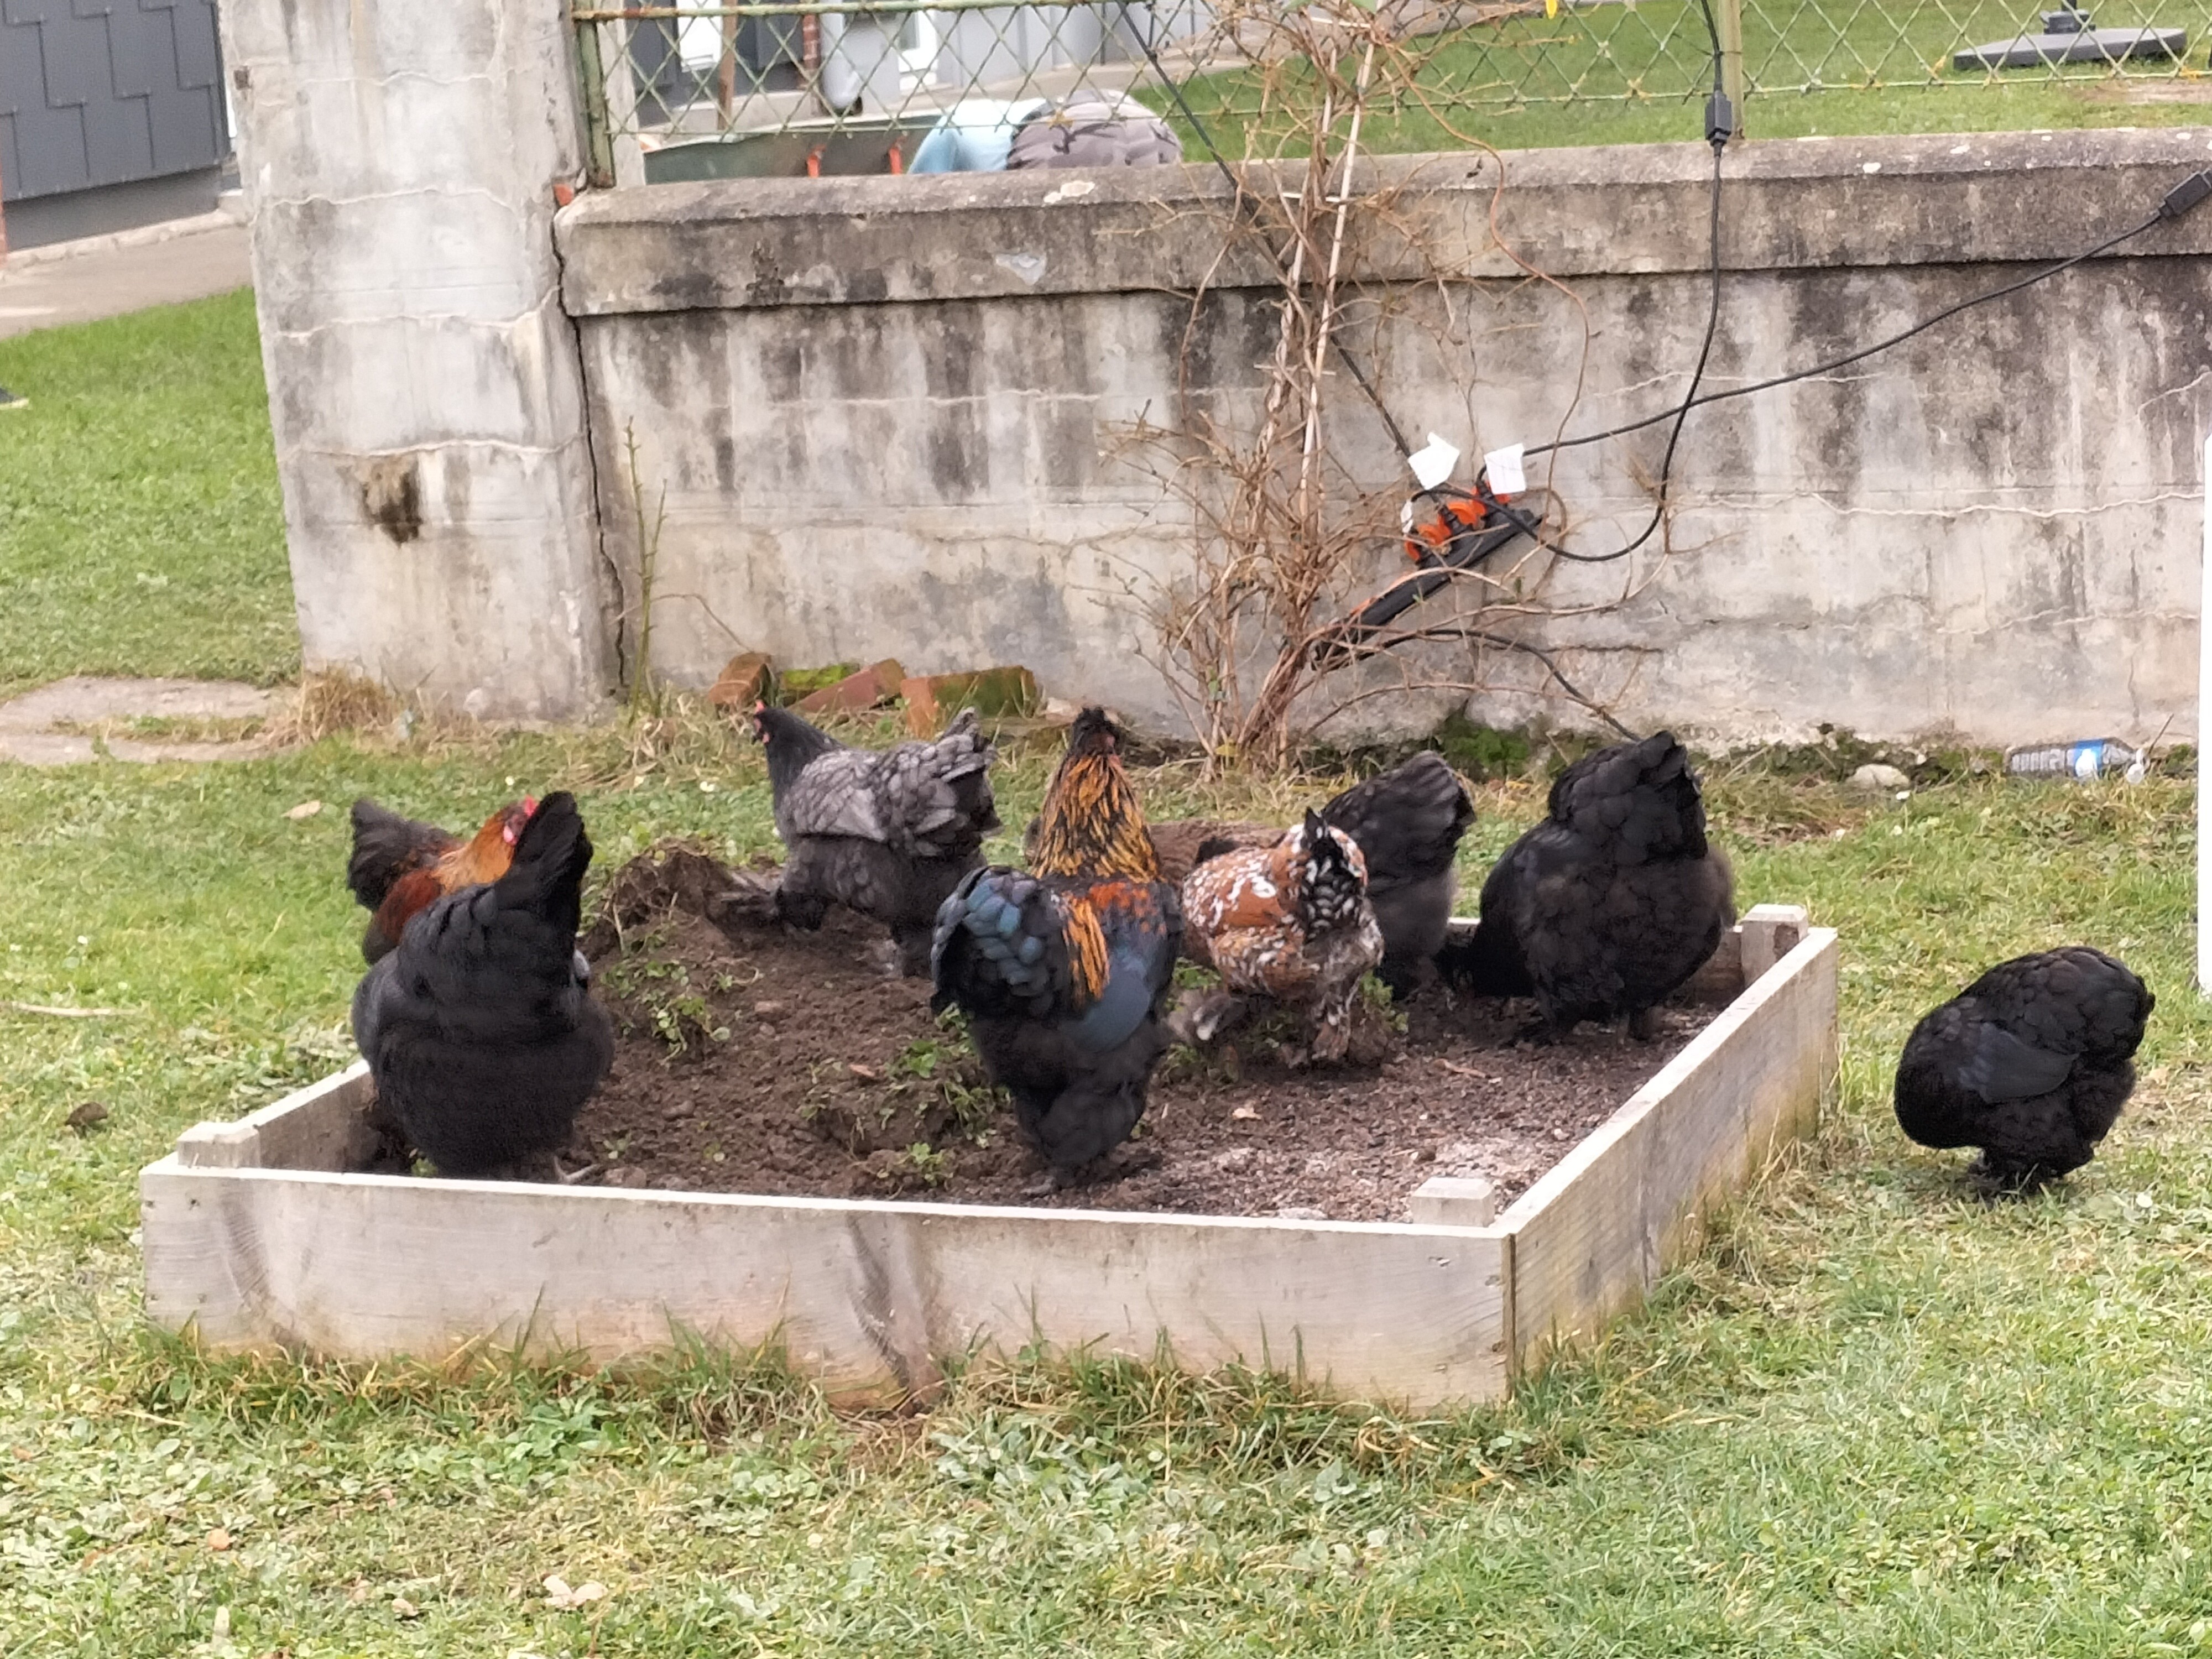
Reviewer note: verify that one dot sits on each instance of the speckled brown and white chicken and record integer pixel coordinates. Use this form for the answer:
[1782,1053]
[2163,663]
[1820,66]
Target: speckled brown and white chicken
[1289,923]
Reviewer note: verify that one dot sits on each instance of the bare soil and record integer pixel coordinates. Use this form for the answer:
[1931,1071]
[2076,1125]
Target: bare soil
[755,1059]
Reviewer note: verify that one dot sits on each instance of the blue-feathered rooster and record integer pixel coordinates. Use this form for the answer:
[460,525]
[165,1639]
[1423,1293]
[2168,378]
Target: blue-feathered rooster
[1062,971]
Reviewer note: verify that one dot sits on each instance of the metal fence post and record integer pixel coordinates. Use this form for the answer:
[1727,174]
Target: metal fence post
[1728,19]
[598,134]
[2203,727]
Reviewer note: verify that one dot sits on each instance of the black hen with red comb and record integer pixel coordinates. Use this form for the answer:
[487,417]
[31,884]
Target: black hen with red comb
[479,1027]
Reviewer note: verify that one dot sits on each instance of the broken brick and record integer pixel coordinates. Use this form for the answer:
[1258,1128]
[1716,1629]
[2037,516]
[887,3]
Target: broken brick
[743,682]
[994,693]
[863,689]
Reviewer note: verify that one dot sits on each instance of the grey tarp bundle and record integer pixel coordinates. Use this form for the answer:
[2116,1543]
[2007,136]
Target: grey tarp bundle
[1093,132]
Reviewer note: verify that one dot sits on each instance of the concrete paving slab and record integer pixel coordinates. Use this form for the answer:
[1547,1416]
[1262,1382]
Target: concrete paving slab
[28,723]
[85,699]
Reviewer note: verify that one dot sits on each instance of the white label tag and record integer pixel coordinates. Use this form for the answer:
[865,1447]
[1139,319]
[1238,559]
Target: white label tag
[1434,464]
[1503,467]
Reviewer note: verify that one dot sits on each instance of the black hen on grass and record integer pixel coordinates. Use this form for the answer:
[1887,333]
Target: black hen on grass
[2031,1063]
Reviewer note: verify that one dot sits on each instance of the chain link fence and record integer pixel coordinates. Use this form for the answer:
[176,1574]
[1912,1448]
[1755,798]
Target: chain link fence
[827,86]
[687,91]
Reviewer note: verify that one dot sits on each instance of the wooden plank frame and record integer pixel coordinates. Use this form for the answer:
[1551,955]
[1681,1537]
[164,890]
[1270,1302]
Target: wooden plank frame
[257,1235]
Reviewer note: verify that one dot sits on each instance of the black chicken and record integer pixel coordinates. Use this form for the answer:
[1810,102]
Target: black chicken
[479,1027]
[889,834]
[1611,902]
[1062,973]
[2031,1063]
[1408,821]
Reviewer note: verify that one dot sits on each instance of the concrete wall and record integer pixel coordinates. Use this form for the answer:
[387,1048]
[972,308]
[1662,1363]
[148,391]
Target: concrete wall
[885,414]
[400,160]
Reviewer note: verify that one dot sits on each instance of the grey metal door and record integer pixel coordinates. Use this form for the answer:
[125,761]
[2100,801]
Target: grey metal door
[106,92]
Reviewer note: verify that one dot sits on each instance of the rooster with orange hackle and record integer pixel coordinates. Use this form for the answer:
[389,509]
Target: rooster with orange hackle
[400,867]
[1062,970]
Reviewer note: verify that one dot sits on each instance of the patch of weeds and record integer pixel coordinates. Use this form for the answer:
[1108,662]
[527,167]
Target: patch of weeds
[1481,751]
[946,1066]
[922,1164]
[974,1105]
[1841,751]
[1375,995]
[920,1059]
[651,994]
[685,1026]
[1216,1065]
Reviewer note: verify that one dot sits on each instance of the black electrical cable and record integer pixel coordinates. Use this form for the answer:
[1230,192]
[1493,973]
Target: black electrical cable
[2183,197]
[1720,127]
[2193,190]
[1681,413]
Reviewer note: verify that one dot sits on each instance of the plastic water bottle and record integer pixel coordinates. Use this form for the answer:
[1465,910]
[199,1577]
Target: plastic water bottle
[2092,757]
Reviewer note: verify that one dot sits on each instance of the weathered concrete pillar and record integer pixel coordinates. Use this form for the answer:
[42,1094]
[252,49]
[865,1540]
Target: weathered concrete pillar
[424,384]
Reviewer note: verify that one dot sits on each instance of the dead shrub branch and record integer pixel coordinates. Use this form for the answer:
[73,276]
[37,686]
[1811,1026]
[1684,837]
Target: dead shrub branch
[1279,480]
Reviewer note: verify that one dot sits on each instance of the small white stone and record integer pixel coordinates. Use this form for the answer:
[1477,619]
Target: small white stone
[1875,776]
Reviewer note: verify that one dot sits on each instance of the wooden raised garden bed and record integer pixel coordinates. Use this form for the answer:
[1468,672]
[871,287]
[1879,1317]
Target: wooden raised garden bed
[258,1233]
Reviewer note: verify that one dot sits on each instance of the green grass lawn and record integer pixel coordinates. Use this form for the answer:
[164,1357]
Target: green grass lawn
[139,527]
[1877,1418]
[1635,73]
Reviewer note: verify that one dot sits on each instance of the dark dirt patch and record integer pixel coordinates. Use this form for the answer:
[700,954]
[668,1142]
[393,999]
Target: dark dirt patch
[762,1061]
